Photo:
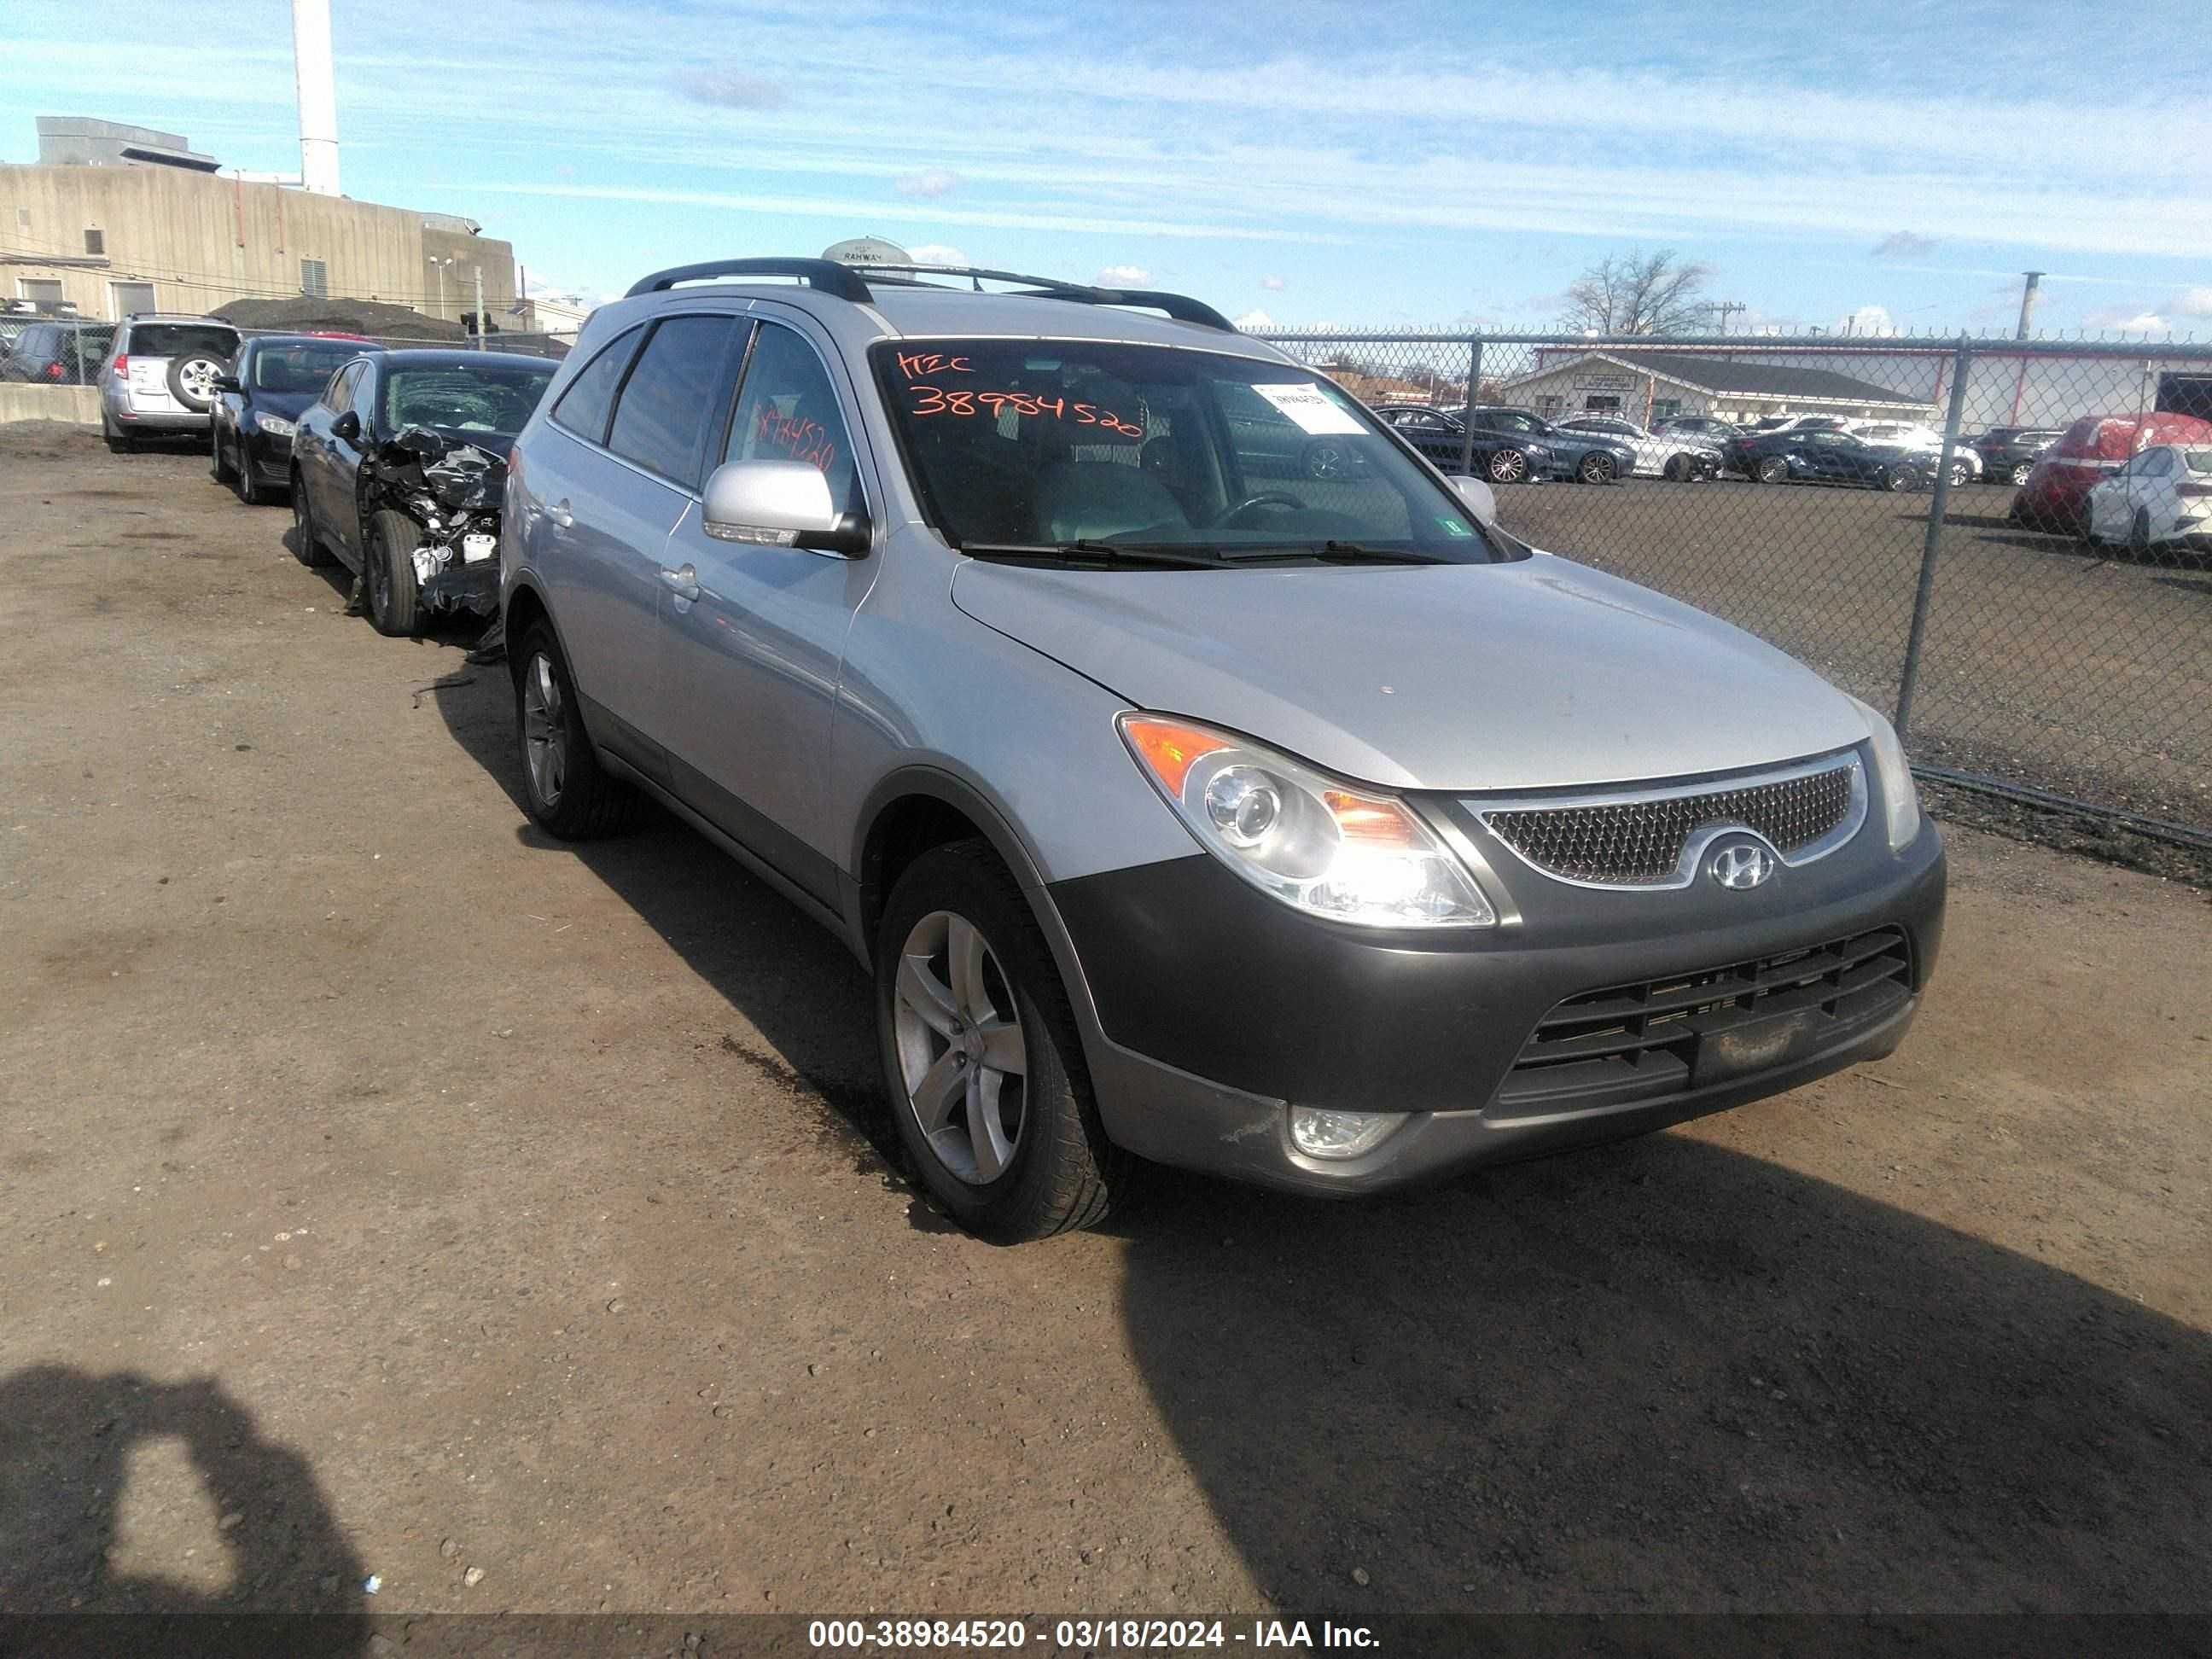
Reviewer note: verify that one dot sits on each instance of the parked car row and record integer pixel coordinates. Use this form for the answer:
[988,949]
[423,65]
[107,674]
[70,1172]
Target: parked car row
[1512,446]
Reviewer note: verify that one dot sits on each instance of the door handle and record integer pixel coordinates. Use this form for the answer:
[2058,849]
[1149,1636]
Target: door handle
[560,514]
[685,583]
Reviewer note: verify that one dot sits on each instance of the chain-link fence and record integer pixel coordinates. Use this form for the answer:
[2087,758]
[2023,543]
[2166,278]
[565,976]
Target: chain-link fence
[2008,545]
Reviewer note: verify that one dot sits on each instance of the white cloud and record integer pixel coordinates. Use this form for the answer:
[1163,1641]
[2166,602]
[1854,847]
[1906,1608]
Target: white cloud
[1273,283]
[2124,321]
[1868,320]
[729,88]
[929,184]
[938,253]
[2193,302]
[1254,321]
[1124,277]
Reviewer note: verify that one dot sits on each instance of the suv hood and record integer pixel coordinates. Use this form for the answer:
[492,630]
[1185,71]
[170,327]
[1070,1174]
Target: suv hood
[1530,675]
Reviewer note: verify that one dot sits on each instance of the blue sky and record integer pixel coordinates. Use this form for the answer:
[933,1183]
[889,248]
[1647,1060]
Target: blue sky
[1382,163]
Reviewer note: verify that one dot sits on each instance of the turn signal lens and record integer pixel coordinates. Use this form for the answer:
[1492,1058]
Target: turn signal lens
[1318,845]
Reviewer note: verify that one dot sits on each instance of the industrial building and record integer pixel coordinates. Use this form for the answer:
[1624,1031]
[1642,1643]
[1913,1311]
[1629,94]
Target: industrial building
[112,219]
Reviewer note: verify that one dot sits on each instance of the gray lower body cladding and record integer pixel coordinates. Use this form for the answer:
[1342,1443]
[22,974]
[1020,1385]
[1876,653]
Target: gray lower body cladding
[1218,1006]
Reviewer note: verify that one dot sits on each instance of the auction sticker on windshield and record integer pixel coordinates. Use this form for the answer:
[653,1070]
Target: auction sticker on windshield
[1306,404]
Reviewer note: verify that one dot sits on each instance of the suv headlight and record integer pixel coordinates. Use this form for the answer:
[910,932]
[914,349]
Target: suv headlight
[1320,846]
[1900,800]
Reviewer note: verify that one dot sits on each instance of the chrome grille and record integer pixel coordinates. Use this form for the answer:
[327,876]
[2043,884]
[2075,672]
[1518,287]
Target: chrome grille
[1640,840]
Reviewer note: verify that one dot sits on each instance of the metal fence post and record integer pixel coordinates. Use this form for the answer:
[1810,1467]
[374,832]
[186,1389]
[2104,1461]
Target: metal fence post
[1474,391]
[1936,507]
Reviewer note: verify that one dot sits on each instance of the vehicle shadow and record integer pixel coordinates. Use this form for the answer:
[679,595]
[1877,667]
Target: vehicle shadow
[1664,1375]
[66,1437]
[801,990]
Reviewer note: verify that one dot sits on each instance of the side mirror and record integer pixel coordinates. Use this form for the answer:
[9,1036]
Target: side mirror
[347,426]
[229,383]
[781,504]
[1480,500]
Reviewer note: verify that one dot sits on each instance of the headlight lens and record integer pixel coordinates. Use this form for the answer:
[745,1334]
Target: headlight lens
[275,425]
[1318,845]
[1900,800]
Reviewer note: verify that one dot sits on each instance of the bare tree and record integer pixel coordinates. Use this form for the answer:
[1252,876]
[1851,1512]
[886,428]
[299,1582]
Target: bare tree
[1639,293]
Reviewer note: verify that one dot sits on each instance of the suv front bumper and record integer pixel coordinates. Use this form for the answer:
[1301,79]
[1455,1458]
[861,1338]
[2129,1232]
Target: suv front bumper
[1219,1008]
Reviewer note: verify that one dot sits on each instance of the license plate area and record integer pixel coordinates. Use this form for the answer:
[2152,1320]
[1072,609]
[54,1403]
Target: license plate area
[1754,1045]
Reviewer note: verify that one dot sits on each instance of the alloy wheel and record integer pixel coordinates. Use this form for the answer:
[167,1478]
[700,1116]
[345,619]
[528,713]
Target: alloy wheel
[544,730]
[1509,466]
[962,1056]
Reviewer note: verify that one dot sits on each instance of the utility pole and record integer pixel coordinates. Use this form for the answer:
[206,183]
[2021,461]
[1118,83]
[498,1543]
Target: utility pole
[1726,307]
[2027,301]
[480,329]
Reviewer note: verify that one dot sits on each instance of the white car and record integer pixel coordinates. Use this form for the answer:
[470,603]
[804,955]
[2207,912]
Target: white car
[1682,456]
[2163,495]
[1965,464]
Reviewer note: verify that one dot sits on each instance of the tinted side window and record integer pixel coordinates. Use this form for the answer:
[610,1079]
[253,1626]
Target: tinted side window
[669,397]
[339,397]
[590,399]
[787,412]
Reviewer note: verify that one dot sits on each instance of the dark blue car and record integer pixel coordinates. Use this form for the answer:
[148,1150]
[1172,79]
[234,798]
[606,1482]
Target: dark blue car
[269,384]
[1592,457]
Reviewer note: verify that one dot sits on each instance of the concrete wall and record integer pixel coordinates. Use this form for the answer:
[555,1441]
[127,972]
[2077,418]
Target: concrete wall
[78,405]
[202,239]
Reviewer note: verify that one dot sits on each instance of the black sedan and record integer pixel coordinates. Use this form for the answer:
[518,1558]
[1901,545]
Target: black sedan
[2009,452]
[1593,456]
[1798,456]
[360,489]
[1500,456]
[259,399]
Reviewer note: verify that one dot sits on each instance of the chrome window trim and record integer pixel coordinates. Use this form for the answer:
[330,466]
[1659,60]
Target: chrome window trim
[1694,846]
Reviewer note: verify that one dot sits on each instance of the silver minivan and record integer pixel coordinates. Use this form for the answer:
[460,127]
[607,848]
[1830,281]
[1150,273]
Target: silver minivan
[1187,801]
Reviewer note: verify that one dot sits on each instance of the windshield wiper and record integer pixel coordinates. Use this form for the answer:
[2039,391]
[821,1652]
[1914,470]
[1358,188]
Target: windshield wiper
[1337,552]
[1154,557]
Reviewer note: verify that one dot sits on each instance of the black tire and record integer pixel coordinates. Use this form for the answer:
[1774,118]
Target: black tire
[1064,1173]
[120,442]
[1506,466]
[579,801]
[218,469]
[389,573]
[191,380]
[1677,470]
[306,546]
[242,479]
[1770,469]
[2139,535]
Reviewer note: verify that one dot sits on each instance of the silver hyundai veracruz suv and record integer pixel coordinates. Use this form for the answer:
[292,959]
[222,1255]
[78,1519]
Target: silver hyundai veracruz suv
[1184,804]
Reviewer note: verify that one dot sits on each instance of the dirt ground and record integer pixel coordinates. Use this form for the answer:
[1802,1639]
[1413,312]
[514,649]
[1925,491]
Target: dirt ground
[385,1190]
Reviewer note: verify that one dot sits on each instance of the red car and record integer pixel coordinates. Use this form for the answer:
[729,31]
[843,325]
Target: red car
[2056,495]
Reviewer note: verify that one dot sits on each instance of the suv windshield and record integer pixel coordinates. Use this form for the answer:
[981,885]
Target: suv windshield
[458,399]
[300,369]
[1047,444]
[175,339]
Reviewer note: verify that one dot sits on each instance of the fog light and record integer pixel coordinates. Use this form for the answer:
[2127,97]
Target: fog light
[1319,1133]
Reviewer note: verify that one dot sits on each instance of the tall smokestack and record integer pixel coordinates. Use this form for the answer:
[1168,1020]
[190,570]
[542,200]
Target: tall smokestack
[2027,302]
[318,96]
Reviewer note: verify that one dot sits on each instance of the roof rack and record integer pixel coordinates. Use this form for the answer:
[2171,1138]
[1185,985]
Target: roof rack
[1181,306]
[825,274]
[847,282]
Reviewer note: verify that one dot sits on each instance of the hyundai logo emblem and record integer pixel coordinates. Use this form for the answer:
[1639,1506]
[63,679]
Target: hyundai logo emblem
[1740,866]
